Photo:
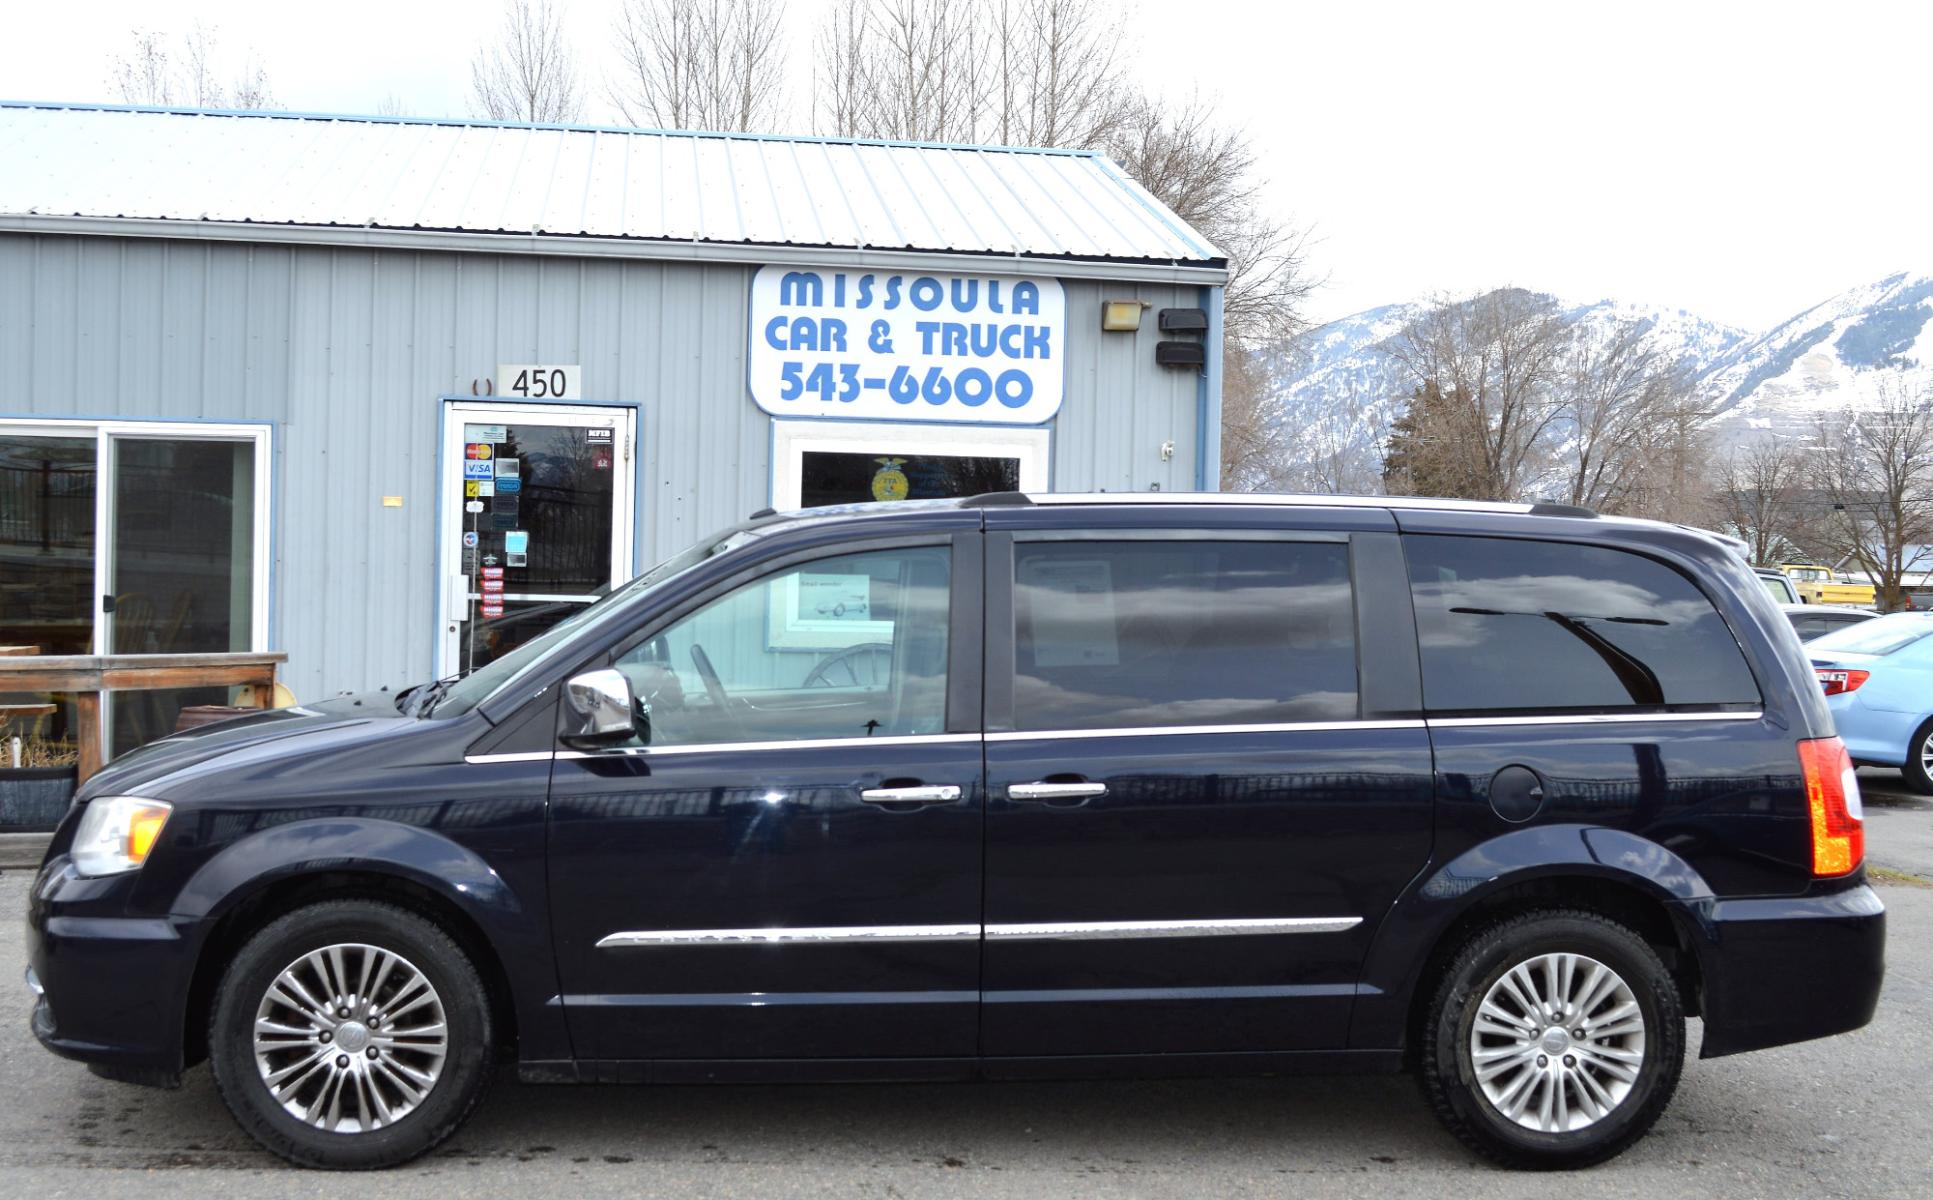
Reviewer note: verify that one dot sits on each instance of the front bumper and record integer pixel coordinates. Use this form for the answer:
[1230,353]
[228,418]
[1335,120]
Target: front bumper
[1788,969]
[112,989]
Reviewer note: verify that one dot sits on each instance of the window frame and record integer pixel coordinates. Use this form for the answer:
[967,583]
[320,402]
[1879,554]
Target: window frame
[964,641]
[1388,690]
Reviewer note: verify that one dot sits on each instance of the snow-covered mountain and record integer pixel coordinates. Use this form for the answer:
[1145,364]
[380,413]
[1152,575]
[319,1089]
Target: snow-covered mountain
[1338,388]
[1831,357]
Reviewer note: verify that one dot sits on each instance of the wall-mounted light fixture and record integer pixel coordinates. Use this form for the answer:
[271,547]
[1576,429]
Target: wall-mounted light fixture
[1122,316]
[1183,320]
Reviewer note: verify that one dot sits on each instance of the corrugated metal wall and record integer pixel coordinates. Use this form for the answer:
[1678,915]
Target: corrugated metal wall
[347,351]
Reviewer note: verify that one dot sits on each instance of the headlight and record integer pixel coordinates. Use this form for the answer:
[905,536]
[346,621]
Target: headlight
[116,834]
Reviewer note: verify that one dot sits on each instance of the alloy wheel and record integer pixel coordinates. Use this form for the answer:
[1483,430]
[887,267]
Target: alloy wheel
[1558,1043]
[350,1038]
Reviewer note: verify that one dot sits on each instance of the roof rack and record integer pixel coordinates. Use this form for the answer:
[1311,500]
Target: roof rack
[1006,499]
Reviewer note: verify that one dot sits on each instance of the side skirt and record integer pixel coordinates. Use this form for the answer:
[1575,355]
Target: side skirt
[939,1070]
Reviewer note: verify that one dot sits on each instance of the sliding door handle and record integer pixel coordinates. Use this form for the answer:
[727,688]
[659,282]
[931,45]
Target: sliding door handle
[944,793]
[1050,793]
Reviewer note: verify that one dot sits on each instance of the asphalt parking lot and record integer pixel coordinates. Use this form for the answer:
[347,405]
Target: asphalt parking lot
[1847,1116]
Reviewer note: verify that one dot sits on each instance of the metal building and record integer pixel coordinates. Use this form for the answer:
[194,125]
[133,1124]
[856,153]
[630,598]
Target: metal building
[393,395]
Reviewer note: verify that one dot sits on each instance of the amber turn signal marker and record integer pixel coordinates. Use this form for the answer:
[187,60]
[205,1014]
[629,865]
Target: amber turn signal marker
[144,829]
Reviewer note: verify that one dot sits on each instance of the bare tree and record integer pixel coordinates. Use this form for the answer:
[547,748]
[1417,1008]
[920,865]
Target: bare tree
[1759,498]
[699,64]
[841,83]
[1495,358]
[1876,466]
[149,73]
[1017,72]
[1206,173]
[1631,427]
[1057,76]
[144,74]
[202,88]
[530,74]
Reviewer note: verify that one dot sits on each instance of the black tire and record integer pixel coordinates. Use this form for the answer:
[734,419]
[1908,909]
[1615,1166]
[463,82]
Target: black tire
[1914,771]
[418,943]
[1449,1073]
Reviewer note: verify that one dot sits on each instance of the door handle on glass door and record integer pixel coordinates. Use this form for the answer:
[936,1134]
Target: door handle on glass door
[1050,792]
[944,793]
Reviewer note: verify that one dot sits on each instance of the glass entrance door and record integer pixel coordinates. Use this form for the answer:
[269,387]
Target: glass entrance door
[536,521]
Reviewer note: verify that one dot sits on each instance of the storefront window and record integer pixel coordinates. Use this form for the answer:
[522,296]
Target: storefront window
[175,569]
[837,477]
[819,463]
[46,582]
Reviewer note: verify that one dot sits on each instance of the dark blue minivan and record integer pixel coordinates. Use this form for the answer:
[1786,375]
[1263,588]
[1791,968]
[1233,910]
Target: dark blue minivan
[1010,787]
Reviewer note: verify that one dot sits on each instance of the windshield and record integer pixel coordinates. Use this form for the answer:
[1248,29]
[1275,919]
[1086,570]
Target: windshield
[1882,635]
[478,686]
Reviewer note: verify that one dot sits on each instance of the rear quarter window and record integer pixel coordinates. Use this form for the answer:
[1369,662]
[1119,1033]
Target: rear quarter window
[1513,625]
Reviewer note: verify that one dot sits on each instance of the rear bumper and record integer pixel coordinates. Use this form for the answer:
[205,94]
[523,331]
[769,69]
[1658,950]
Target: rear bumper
[111,989]
[1788,969]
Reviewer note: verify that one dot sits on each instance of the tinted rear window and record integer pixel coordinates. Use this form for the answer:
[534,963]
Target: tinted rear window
[1520,625]
[1136,634]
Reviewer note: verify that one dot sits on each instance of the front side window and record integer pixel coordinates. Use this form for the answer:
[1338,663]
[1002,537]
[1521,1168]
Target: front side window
[847,647]
[1159,633]
[1522,625]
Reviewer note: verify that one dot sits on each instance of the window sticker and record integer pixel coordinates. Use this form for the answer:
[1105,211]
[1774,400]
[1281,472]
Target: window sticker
[517,541]
[834,597]
[491,434]
[475,469]
[1074,626]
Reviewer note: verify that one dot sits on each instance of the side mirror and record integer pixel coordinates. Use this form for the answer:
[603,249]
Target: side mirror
[598,708]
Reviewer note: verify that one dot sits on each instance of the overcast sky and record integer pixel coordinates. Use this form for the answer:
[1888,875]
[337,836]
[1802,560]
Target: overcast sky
[1740,160]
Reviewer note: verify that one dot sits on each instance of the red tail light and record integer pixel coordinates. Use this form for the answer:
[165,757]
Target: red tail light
[1836,680]
[1832,799]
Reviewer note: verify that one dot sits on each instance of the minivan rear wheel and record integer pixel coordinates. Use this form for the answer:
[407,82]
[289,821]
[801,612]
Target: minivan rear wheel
[1554,1040]
[350,1034]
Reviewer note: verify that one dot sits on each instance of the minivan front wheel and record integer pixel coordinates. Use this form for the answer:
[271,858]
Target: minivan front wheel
[1554,1040]
[350,1034]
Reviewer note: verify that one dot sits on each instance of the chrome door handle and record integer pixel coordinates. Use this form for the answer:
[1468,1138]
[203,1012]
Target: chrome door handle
[942,793]
[1055,791]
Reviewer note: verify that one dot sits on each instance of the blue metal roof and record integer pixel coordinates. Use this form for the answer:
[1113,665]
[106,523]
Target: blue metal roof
[322,171]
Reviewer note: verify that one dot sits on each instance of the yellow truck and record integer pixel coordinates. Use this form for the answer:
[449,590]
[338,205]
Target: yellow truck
[1817,585]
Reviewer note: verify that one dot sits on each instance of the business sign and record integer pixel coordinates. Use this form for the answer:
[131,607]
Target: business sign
[904,347]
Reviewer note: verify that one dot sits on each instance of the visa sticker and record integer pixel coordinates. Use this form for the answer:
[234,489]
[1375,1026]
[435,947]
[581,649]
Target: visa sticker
[474,468]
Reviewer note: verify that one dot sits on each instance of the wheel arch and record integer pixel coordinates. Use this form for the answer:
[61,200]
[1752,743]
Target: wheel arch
[1619,875]
[275,872]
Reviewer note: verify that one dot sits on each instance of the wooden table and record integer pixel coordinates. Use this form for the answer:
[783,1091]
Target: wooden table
[92,674]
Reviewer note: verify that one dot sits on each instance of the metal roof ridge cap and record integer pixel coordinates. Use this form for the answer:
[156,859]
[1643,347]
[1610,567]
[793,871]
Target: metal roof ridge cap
[485,123]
